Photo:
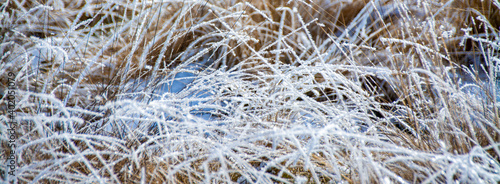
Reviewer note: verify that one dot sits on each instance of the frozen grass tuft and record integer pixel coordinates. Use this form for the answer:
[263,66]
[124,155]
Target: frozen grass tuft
[252,91]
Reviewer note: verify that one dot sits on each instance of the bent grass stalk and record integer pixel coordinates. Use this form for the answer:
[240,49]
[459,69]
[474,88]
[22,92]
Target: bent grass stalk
[253,91]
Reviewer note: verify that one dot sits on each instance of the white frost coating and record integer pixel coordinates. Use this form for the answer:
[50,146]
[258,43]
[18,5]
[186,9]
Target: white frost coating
[225,91]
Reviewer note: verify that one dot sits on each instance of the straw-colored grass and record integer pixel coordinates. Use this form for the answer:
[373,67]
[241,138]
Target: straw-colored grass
[382,91]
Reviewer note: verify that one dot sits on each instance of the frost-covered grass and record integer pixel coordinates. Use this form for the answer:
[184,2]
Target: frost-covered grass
[194,91]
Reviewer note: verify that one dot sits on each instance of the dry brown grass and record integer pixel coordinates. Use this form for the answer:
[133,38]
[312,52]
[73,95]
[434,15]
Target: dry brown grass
[131,48]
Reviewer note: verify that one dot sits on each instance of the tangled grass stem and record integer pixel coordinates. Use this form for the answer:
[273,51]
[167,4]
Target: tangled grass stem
[381,91]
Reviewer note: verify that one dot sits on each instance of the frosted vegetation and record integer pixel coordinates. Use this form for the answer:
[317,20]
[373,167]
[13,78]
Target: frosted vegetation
[312,91]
